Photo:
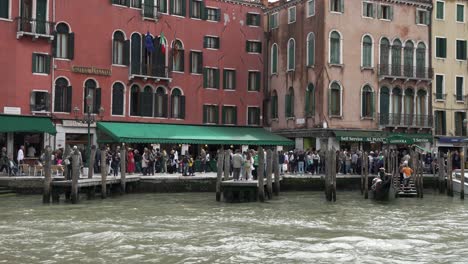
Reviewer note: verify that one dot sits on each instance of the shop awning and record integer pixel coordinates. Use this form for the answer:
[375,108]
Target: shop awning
[422,149]
[360,136]
[408,139]
[16,123]
[187,134]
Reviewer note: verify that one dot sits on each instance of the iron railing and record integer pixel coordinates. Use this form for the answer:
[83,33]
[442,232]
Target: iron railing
[405,71]
[405,120]
[37,27]
[150,70]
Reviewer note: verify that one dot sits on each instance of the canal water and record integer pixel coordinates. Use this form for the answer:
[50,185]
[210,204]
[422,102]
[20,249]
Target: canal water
[298,227]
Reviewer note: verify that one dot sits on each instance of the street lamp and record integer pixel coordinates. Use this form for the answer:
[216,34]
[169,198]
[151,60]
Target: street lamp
[88,119]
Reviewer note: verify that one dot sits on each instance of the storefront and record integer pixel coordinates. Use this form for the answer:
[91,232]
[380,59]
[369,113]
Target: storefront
[74,133]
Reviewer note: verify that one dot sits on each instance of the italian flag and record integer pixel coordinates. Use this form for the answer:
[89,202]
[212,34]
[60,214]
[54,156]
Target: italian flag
[162,41]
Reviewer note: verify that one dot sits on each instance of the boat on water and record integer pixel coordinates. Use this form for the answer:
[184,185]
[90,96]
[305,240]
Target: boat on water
[456,179]
[382,189]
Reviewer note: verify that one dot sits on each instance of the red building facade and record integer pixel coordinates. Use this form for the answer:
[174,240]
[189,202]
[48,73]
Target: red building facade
[174,61]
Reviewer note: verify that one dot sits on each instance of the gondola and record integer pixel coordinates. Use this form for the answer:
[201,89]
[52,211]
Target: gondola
[383,190]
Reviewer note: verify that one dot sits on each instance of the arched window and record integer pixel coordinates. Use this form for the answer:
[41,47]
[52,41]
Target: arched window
[384,106]
[177,104]
[274,105]
[136,54]
[291,55]
[63,96]
[396,106]
[118,48]
[118,99]
[310,100]
[64,41]
[335,48]
[367,51]
[384,68]
[310,49]
[146,100]
[274,58]
[421,108]
[135,105]
[421,71]
[95,93]
[178,56]
[160,103]
[408,59]
[396,58]
[289,103]
[409,106]
[367,101]
[334,99]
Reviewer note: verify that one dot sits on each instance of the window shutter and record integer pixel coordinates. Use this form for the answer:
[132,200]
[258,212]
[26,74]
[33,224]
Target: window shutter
[329,102]
[205,42]
[379,11]
[417,16]
[126,53]
[54,45]
[205,114]
[444,131]
[391,12]
[165,99]
[247,46]
[218,15]
[171,6]
[342,6]
[234,80]
[216,78]
[182,60]
[202,10]
[71,46]
[58,98]
[200,62]
[257,116]
[182,107]
[224,79]
[97,101]
[142,104]
[216,113]
[205,78]
[34,59]
[184,3]
[248,20]
[235,115]
[191,8]
[217,43]
[47,102]
[307,103]
[257,81]
[223,115]
[68,102]
[191,62]
[47,64]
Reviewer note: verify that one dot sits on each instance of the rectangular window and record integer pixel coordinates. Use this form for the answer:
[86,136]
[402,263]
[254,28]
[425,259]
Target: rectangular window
[40,63]
[210,114]
[212,14]
[121,2]
[254,81]
[440,10]
[196,62]
[229,79]
[253,116]
[439,87]
[210,42]
[459,88]
[422,17]
[5,9]
[178,7]
[386,12]
[291,15]
[461,49]
[161,5]
[253,19]
[135,3]
[440,123]
[337,6]
[211,78]
[441,48]
[273,21]
[229,115]
[310,8]
[460,126]
[196,9]
[460,13]
[39,101]
[368,9]
[253,46]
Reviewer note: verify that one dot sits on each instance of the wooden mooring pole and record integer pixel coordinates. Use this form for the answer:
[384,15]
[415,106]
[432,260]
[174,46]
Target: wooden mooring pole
[219,164]
[269,171]
[449,174]
[276,172]
[363,165]
[48,175]
[123,169]
[441,180]
[227,164]
[75,175]
[260,174]
[366,176]
[104,172]
[462,178]
[92,159]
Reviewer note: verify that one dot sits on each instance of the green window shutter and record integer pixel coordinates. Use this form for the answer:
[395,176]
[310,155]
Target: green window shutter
[126,53]
[234,80]
[342,6]
[216,113]
[97,101]
[200,62]
[184,4]
[216,78]
[54,41]
[205,42]
[235,115]
[247,46]
[202,10]
[4,8]
[205,78]
[391,13]
[182,107]
[171,6]
[34,59]
[218,15]
[71,46]
[205,114]
[191,62]
[417,16]
[379,11]
[444,123]
[259,47]
[223,115]
[444,48]
[47,64]
[191,8]
[372,109]
[225,80]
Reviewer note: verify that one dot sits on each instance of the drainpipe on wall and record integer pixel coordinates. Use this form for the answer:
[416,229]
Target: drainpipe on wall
[432,73]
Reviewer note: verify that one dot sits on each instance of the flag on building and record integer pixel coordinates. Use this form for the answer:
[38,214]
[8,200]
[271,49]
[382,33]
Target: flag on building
[162,42]
[149,42]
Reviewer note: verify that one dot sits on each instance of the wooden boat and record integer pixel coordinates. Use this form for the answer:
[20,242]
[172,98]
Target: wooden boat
[383,190]
[456,179]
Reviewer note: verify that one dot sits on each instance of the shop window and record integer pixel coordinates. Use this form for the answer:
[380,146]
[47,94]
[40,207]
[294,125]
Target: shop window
[210,114]
[253,46]
[177,104]
[211,78]
[63,96]
[229,79]
[64,42]
[253,116]
[39,101]
[118,99]
[40,63]
[254,81]
[178,56]
[229,115]
[196,62]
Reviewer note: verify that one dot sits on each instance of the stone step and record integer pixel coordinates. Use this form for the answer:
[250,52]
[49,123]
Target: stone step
[6,191]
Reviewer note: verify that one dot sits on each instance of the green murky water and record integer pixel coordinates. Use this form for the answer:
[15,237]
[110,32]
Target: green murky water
[193,228]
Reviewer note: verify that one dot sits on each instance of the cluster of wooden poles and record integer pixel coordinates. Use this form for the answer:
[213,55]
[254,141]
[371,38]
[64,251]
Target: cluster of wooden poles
[444,181]
[73,194]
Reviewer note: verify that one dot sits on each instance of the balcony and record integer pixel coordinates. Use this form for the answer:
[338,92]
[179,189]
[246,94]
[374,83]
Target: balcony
[405,120]
[150,71]
[35,28]
[388,71]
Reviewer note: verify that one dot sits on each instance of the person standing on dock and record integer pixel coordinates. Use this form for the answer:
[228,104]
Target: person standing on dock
[300,163]
[145,161]
[281,161]
[407,173]
[203,160]
[130,161]
[116,163]
[20,156]
[4,162]
[237,161]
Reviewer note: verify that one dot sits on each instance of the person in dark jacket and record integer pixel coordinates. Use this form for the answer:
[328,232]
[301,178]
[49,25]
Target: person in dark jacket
[115,163]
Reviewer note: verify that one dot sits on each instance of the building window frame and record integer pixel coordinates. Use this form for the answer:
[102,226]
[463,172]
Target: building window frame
[459,97]
[336,6]
[211,42]
[422,17]
[253,19]
[8,11]
[253,46]
[332,47]
[274,59]
[116,85]
[310,50]
[196,67]
[210,114]
[438,54]
[41,63]
[273,20]
[310,8]
[254,81]
[63,93]
[229,79]
[229,115]
[463,53]
[291,14]
[291,56]
[463,12]
[437,10]
[367,48]
[439,96]
[254,115]
[211,78]
[365,10]
[385,15]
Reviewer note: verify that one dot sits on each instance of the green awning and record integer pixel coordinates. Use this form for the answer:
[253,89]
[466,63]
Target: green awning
[17,123]
[360,136]
[188,134]
[409,139]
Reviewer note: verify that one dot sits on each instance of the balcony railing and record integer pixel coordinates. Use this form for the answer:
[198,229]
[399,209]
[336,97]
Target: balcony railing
[34,27]
[149,71]
[405,120]
[405,72]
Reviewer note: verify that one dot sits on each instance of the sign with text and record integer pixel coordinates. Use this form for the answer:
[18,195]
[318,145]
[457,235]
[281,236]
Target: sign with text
[91,70]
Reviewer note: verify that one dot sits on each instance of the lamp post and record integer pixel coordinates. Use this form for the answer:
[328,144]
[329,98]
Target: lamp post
[88,119]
